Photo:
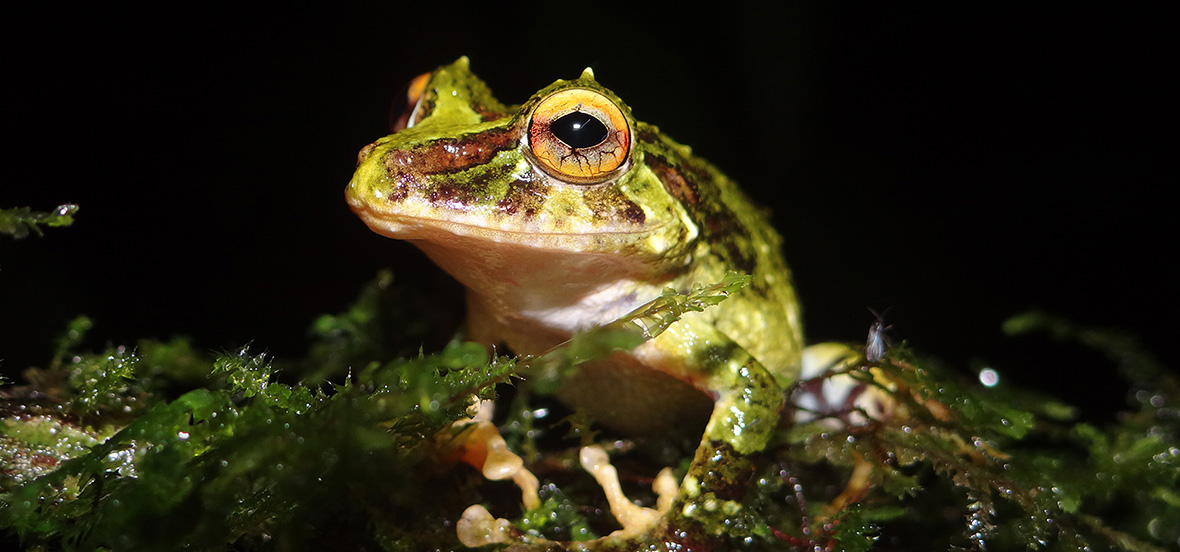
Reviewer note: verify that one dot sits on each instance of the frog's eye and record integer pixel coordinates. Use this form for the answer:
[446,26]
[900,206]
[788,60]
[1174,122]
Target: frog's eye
[413,107]
[579,135]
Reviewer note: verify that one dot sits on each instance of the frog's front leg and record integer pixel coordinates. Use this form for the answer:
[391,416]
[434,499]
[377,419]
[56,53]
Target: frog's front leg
[748,401]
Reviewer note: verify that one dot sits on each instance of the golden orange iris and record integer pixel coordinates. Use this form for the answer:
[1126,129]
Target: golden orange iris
[580,163]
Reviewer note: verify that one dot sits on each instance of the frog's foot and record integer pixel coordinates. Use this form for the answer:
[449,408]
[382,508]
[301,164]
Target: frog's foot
[482,447]
[635,519]
[477,527]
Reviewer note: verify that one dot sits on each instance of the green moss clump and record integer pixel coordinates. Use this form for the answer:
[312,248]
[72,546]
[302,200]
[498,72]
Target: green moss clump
[97,456]
[160,446]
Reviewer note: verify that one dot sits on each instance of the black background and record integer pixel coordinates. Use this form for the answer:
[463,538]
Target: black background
[956,163]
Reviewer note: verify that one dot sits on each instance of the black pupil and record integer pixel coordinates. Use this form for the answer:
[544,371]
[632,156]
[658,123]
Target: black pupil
[579,130]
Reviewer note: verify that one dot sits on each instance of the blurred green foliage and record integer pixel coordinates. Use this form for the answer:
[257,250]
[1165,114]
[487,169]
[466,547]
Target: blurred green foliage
[19,222]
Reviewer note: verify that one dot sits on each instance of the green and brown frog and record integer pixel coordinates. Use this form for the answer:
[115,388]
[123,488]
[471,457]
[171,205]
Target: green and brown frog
[566,213]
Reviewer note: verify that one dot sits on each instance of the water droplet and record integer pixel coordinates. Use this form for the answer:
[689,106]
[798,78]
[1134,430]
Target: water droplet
[989,377]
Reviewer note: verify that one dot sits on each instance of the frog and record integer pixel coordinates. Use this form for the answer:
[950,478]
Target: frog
[565,213]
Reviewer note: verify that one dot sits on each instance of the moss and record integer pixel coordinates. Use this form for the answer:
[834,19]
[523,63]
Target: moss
[158,446]
[21,221]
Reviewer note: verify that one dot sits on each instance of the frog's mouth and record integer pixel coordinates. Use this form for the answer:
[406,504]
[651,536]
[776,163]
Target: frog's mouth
[582,239]
[479,256]
[502,263]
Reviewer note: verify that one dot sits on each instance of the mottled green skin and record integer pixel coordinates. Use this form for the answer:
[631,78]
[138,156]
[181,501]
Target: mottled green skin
[542,258]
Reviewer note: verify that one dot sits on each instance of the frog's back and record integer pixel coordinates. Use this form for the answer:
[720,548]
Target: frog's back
[734,235]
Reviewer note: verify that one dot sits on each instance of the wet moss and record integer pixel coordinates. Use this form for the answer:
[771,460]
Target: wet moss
[157,446]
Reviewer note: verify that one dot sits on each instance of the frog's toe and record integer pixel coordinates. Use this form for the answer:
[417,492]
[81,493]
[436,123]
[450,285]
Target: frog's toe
[635,519]
[497,462]
[477,527]
[481,446]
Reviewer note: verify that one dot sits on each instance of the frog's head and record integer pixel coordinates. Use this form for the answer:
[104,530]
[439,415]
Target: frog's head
[557,184]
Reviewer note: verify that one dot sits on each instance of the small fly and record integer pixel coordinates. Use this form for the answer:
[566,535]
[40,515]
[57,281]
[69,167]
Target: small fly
[877,341]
